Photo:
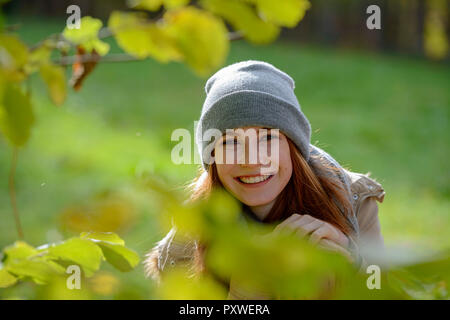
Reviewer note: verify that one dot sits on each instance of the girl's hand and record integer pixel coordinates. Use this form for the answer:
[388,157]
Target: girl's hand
[320,233]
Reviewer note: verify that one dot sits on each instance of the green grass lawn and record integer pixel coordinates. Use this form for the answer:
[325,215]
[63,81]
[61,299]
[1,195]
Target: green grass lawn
[380,113]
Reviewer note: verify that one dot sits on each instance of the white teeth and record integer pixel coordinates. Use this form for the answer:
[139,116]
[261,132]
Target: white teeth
[256,179]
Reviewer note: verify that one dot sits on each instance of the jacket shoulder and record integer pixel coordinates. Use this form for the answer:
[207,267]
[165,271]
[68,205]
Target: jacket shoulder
[172,250]
[363,186]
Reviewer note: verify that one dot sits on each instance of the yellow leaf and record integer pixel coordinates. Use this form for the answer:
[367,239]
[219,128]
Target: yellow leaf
[104,283]
[6,279]
[142,38]
[55,80]
[13,56]
[436,43]
[38,57]
[286,13]
[155,5]
[18,251]
[87,35]
[151,5]
[170,4]
[200,36]
[243,18]
[111,213]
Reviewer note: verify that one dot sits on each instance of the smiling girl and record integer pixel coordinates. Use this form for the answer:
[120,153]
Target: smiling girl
[295,185]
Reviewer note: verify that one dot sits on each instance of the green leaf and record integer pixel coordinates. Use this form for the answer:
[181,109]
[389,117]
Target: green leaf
[23,260]
[13,56]
[177,285]
[243,18]
[171,4]
[6,279]
[201,37]
[38,57]
[120,257]
[141,38]
[83,252]
[38,269]
[16,115]
[155,5]
[110,237]
[151,5]
[18,251]
[113,249]
[55,79]
[434,269]
[87,35]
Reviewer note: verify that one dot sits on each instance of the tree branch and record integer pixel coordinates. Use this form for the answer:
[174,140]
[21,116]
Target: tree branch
[118,57]
[113,57]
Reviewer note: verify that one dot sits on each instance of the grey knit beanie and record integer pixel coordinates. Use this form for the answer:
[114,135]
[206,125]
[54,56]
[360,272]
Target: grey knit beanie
[253,93]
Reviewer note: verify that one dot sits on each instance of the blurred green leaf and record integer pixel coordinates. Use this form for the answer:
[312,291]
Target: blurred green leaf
[154,5]
[56,289]
[55,79]
[16,115]
[104,283]
[107,212]
[38,57]
[6,279]
[435,268]
[436,44]
[177,285]
[13,57]
[170,4]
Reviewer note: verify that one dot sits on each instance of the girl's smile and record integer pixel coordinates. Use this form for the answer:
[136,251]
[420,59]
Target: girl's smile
[254,180]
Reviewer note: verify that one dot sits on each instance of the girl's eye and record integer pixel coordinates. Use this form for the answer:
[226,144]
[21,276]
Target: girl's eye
[269,137]
[230,141]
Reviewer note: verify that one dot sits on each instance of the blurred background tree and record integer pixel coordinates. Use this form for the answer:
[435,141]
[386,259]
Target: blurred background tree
[408,26]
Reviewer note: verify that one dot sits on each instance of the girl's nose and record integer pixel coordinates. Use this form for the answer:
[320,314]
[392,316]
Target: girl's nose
[248,156]
[251,157]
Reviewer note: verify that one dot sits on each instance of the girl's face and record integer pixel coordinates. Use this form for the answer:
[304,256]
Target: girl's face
[258,182]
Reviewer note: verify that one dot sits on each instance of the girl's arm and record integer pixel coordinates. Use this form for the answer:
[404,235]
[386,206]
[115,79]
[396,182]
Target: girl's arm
[370,242]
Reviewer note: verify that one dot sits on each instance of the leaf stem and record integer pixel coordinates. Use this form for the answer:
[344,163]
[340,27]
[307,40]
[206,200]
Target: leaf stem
[12,193]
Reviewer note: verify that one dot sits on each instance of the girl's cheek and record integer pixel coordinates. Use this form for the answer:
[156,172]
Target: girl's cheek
[224,171]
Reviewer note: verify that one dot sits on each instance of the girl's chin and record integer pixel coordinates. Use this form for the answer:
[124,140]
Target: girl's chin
[257,202]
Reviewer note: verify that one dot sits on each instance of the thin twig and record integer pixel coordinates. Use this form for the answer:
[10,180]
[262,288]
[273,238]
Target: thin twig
[12,193]
[12,27]
[113,57]
[235,35]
